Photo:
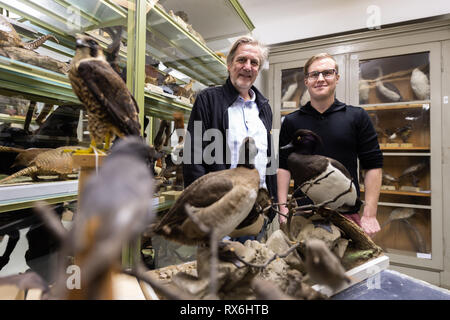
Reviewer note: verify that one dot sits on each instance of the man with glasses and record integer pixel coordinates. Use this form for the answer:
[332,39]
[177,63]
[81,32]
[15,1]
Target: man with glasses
[347,134]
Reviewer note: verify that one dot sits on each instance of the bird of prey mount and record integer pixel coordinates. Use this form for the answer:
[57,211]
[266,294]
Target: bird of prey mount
[111,108]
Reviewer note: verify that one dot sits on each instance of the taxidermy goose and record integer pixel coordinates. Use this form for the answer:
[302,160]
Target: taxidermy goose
[320,178]
[386,92]
[420,84]
[219,200]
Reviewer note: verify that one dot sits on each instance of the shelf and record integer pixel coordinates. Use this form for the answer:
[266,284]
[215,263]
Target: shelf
[395,106]
[13,119]
[12,197]
[405,149]
[34,83]
[163,107]
[404,193]
[174,46]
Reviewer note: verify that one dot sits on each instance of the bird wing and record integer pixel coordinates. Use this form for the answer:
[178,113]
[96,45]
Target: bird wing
[201,193]
[110,90]
[341,167]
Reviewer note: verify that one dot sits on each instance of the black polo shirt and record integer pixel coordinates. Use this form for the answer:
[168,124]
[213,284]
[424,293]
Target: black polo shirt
[347,135]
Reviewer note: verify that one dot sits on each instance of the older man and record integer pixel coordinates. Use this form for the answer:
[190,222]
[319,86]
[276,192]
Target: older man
[233,110]
[347,134]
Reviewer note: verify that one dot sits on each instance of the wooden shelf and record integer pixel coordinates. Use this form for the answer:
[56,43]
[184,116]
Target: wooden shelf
[395,107]
[404,193]
[406,149]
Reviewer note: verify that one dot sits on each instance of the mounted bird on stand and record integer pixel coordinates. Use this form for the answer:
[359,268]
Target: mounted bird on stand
[111,108]
[325,181]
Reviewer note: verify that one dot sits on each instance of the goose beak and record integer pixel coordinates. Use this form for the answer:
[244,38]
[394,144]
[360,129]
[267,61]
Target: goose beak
[288,146]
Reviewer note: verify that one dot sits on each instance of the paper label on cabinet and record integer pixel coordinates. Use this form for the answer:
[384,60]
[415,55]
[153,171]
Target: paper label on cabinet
[289,104]
[424,255]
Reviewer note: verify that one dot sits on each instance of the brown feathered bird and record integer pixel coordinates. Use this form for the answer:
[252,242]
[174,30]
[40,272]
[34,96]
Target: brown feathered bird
[220,200]
[111,108]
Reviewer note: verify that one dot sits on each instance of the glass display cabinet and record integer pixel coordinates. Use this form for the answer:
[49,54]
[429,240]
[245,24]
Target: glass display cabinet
[162,59]
[395,87]
[399,75]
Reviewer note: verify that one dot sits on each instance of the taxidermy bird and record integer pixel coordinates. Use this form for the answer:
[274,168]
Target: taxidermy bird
[412,172]
[112,52]
[388,179]
[115,207]
[364,89]
[289,92]
[111,108]
[386,91]
[305,98]
[220,200]
[322,266]
[403,133]
[399,214]
[320,178]
[420,84]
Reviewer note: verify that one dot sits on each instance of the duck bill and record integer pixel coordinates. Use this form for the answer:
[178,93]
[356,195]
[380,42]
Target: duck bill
[288,146]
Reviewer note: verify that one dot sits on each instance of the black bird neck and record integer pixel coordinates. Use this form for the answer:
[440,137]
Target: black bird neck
[246,165]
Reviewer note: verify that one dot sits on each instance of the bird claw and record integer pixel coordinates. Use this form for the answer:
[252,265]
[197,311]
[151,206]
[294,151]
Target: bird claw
[89,150]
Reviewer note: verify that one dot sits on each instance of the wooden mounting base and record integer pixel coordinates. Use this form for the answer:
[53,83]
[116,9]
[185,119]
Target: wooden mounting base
[87,164]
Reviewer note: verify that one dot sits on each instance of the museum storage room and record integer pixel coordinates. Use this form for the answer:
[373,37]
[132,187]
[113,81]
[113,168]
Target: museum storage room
[126,173]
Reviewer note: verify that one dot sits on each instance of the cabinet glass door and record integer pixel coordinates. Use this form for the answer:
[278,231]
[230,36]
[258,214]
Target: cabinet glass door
[398,89]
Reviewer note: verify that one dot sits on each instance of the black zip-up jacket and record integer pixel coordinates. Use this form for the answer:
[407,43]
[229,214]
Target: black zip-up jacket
[211,108]
[347,134]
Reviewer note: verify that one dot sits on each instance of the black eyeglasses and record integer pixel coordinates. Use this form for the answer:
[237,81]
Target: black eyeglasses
[327,74]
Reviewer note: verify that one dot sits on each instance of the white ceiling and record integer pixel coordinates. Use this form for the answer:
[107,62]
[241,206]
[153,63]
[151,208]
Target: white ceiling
[289,20]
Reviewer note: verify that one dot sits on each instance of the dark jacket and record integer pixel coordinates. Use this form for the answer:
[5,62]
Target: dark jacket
[347,134]
[211,108]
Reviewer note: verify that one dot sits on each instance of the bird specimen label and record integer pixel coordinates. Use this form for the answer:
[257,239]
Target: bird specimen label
[289,104]
[410,188]
[392,145]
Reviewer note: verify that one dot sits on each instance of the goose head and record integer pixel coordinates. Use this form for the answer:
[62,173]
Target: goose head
[247,153]
[304,142]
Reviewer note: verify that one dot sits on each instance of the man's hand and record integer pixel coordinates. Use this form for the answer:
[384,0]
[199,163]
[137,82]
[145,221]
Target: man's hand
[369,222]
[284,210]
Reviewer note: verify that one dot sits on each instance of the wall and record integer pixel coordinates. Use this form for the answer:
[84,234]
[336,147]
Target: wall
[290,20]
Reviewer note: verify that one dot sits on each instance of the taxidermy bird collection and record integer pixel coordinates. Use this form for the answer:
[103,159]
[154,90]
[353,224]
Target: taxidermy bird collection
[111,108]
[319,177]
[420,84]
[386,91]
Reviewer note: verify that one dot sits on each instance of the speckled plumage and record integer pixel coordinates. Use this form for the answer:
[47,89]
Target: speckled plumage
[110,106]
